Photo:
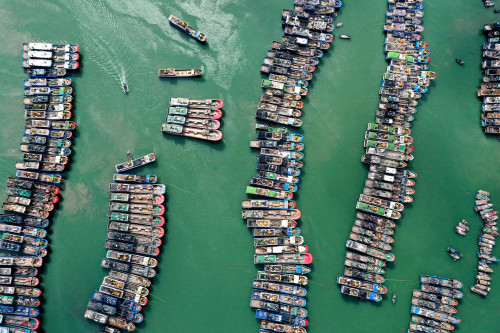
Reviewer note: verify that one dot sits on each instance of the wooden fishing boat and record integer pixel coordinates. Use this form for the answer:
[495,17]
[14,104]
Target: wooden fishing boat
[278,298]
[21,261]
[306,43]
[146,230]
[130,278]
[378,210]
[350,282]
[205,134]
[274,241]
[256,232]
[137,208]
[138,188]
[273,214]
[118,284]
[254,223]
[268,326]
[132,164]
[209,124]
[268,204]
[183,26]
[151,179]
[295,259]
[137,198]
[280,308]
[287,269]
[133,238]
[46,72]
[41,82]
[363,275]
[284,249]
[21,321]
[381,203]
[128,268]
[281,102]
[362,248]
[135,248]
[284,195]
[172,72]
[195,113]
[361,294]
[147,220]
[212,104]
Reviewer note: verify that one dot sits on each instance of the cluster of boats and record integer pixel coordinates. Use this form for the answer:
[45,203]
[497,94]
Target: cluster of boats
[51,57]
[433,307]
[489,91]
[195,118]
[32,193]
[388,187]
[278,294]
[486,241]
[135,229]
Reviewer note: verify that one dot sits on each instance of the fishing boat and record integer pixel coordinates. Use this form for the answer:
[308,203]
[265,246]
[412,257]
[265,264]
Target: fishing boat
[277,194]
[133,238]
[195,113]
[42,82]
[282,249]
[385,162]
[439,281]
[287,269]
[46,72]
[132,164]
[146,219]
[383,222]
[285,278]
[156,199]
[380,254]
[136,229]
[279,308]
[151,179]
[65,48]
[253,223]
[172,72]
[381,203]
[289,146]
[306,43]
[100,307]
[373,227]
[280,318]
[135,248]
[295,259]
[361,294]
[289,137]
[136,208]
[365,259]
[278,298]
[434,315]
[275,185]
[441,291]
[138,188]
[130,278]
[275,241]
[434,306]
[118,284]
[183,26]
[205,134]
[388,178]
[378,210]
[268,204]
[396,188]
[373,235]
[268,326]
[43,177]
[132,258]
[20,321]
[432,323]
[353,283]
[193,122]
[54,91]
[128,268]
[271,214]
[212,104]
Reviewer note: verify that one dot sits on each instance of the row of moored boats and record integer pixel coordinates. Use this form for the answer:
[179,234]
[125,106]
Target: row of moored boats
[433,307]
[490,85]
[195,118]
[389,186]
[32,194]
[278,292]
[135,229]
[486,241]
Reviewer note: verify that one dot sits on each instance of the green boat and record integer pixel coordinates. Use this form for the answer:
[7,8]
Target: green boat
[378,210]
[400,56]
[286,195]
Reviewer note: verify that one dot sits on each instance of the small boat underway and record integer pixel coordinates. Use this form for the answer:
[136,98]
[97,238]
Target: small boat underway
[132,164]
[172,72]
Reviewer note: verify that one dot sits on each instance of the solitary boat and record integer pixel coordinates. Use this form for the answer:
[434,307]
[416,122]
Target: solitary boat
[172,72]
[183,26]
[132,164]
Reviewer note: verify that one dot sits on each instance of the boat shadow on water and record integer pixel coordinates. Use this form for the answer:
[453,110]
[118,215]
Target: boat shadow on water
[175,80]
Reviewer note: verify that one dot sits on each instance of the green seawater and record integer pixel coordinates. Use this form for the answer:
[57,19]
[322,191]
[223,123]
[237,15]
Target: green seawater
[205,270]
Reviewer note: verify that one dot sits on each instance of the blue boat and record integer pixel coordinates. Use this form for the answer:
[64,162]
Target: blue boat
[25,311]
[104,298]
[129,305]
[280,318]
[183,26]
[100,307]
[6,309]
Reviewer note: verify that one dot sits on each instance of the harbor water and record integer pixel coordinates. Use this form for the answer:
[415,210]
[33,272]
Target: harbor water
[205,268]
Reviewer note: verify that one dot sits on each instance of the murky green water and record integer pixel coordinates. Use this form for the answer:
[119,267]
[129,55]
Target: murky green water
[205,269]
